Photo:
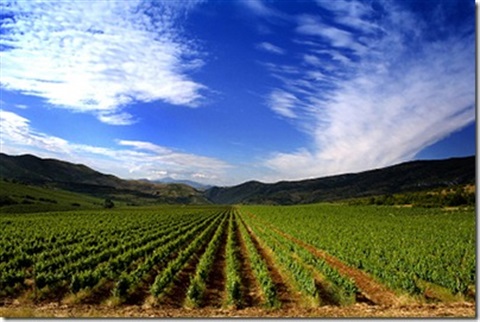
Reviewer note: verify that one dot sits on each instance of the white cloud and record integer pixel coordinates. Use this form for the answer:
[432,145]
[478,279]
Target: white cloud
[400,95]
[259,8]
[116,118]
[271,48]
[351,13]
[145,146]
[17,129]
[335,55]
[311,25]
[283,103]
[99,56]
[131,159]
[312,60]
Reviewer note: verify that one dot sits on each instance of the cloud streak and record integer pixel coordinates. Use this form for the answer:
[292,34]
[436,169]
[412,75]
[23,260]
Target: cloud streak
[99,56]
[130,159]
[271,48]
[372,104]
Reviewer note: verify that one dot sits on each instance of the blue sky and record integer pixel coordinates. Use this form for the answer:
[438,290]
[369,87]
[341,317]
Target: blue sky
[222,92]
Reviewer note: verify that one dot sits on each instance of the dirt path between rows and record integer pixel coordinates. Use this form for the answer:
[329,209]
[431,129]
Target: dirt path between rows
[373,290]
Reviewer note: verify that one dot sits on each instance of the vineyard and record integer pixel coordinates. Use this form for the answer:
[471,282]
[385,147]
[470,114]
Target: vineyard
[242,260]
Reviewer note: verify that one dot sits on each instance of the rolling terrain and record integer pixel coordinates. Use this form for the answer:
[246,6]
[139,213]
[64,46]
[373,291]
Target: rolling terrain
[405,177]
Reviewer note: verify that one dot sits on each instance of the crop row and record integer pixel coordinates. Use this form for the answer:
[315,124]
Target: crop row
[234,282]
[301,278]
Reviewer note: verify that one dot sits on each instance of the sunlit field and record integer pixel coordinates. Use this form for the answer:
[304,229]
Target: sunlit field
[313,260]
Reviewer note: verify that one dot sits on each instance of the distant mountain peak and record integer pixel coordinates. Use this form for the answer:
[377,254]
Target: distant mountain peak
[193,184]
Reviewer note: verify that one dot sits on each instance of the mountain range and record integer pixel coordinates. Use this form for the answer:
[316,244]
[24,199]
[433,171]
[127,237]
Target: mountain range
[404,177]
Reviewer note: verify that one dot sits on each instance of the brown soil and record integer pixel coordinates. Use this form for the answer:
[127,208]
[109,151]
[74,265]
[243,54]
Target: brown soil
[464,309]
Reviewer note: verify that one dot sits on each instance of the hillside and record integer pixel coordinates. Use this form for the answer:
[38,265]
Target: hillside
[23,198]
[51,173]
[405,177]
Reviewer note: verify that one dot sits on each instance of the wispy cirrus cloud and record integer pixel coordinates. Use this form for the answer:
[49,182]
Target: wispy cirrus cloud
[259,8]
[376,103]
[271,48]
[282,103]
[99,56]
[353,14]
[129,159]
[311,25]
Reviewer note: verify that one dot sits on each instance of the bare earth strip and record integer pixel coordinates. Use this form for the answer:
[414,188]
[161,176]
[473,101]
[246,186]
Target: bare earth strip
[465,310]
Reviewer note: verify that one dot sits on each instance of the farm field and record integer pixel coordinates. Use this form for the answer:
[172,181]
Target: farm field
[319,260]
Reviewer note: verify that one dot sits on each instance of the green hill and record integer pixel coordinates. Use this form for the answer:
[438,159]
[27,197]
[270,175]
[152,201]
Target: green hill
[22,198]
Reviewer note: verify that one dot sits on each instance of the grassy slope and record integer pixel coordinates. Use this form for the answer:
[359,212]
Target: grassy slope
[35,199]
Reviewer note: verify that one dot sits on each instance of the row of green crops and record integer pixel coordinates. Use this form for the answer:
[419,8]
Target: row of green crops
[402,247]
[234,292]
